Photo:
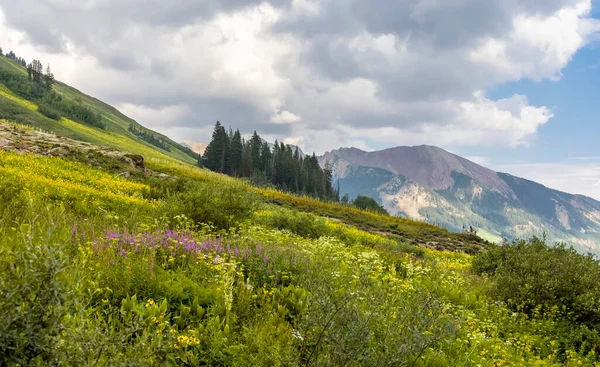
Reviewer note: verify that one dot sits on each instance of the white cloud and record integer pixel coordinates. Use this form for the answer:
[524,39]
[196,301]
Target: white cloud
[321,72]
[572,177]
[285,117]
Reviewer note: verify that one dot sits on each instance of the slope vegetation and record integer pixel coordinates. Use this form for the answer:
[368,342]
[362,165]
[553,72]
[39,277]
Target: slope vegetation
[18,106]
[183,266]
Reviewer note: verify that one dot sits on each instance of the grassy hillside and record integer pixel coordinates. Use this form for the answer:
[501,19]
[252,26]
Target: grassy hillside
[105,262]
[199,269]
[18,108]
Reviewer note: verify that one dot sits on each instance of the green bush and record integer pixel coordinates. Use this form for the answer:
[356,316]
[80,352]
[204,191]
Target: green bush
[32,296]
[367,203]
[534,277]
[303,224]
[49,112]
[223,205]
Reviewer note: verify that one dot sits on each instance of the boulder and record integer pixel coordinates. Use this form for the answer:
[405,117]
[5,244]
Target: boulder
[136,160]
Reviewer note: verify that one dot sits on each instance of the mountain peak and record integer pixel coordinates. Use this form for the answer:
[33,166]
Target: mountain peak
[429,165]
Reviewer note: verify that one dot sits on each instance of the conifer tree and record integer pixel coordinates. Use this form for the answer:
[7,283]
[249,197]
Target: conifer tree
[216,153]
[266,157]
[255,145]
[247,160]
[235,154]
[48,77]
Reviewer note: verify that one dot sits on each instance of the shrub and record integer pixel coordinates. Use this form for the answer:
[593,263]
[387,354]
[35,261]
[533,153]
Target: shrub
[302,224]
[223,205]
[32,296]
[49,112]
[367,203]
[534,277]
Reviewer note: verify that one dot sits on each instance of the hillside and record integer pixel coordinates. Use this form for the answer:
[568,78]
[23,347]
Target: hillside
[15,106]
[428,183]
[181,266]
[115,252]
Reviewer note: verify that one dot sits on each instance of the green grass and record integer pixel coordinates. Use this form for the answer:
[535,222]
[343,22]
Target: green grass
[203,270]
[116,135]
[200,269]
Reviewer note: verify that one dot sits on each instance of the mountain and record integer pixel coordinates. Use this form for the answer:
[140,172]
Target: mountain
[67,112]
[430,184]
[195,146]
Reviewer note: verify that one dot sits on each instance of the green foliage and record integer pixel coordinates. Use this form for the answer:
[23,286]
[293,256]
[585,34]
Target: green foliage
[99,270]
[49,112]
[280,167]
[32,296]
[302,224]
[367,203]
[534,277]
[222,205]
[148,137]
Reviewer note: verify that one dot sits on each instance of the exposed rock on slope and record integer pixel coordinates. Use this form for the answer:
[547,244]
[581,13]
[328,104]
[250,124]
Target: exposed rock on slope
[25,140]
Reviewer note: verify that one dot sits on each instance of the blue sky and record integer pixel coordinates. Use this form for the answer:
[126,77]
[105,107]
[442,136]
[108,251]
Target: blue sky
[565,153]
[574,131]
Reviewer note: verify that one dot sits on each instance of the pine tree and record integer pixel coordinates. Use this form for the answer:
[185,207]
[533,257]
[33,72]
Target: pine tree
[1,53]
[235,155]
[266,157]
[247,160]
[200,162]
[215,155]
[255,145]
[49,77]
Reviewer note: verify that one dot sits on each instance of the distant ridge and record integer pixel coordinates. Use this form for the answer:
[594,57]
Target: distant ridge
[429,183]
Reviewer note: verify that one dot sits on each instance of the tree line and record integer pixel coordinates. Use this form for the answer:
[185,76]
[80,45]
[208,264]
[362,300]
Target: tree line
[281,166]
[11,55]
[37,87]
[148,137]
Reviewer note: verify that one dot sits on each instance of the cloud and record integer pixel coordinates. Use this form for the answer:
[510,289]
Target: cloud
[572,177]
[320,72]
[285,117]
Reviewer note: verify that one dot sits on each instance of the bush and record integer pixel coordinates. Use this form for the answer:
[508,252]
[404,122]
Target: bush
[302,224]
[534,277]
[223,205]
[367,203]
[32,297]
[49,112]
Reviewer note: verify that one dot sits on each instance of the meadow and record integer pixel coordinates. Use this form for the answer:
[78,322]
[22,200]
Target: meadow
[200,269]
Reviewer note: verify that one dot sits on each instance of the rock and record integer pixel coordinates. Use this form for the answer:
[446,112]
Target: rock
[128,161]
[58,151]
[4,142]
[138,160]
[163,175]
[125,174]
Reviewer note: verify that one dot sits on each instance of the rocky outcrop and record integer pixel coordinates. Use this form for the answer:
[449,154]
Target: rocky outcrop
[24,140]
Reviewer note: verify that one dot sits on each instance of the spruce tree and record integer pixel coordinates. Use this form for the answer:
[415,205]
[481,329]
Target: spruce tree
[235,155]
[265,158]
[247,159]
[255,145]
[214,151]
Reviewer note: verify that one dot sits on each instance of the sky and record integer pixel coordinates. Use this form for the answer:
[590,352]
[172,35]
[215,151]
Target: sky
[510,84]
